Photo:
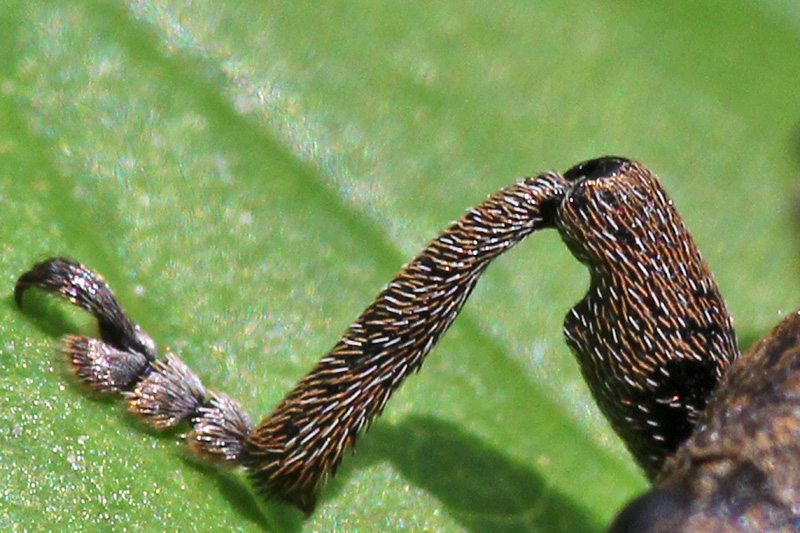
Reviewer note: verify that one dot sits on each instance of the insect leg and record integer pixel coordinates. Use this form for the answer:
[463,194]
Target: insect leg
[293,451]
[163,393]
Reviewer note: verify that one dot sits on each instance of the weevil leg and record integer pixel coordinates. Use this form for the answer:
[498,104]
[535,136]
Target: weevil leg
[162,393]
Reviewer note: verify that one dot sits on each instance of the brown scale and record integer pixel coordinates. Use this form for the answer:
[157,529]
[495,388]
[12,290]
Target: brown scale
[740,470]
[652,336]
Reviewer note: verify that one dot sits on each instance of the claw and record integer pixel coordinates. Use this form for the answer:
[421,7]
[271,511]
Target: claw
[88,290]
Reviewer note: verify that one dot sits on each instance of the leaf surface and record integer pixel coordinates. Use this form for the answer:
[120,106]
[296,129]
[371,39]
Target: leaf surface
[248,175]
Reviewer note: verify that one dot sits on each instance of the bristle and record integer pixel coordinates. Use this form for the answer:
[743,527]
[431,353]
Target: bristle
[169,394]
[101,367]
[220,430]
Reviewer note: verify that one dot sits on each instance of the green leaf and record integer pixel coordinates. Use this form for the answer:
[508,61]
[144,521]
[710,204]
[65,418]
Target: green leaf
[248,175]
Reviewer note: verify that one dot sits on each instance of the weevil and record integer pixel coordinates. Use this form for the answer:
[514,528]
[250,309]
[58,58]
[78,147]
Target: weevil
[713,430]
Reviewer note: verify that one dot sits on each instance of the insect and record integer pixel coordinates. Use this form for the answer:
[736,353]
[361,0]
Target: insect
[653,338]
[740,469]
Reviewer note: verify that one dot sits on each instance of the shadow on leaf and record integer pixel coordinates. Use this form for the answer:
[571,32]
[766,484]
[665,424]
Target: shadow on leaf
[53,317]
[481,488]
[269,515]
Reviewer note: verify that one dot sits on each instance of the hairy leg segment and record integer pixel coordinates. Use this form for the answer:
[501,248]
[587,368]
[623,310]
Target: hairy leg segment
[124,360]
[740,469]
[652,336]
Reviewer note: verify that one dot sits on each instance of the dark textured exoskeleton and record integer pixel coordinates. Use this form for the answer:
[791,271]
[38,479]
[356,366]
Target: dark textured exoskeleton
[740,469]
[653,335]
[653,338]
